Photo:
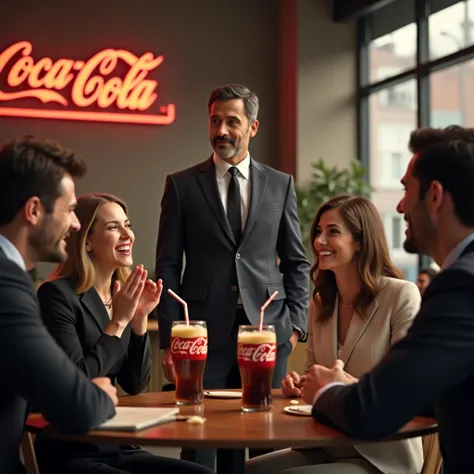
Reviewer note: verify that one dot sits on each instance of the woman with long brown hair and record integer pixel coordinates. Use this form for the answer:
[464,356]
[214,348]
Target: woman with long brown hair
[97,310]
[360,306]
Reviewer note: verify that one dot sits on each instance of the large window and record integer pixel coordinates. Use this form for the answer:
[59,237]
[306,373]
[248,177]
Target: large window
[416,69]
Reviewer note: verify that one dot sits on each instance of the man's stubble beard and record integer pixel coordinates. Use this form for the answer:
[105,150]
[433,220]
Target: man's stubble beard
[45,248]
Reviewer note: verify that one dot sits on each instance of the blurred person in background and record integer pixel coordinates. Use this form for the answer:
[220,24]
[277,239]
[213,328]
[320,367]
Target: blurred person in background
[425,275]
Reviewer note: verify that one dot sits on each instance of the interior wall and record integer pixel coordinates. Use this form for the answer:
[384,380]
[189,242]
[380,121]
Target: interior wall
[203,47]
[326,88]
[326,99]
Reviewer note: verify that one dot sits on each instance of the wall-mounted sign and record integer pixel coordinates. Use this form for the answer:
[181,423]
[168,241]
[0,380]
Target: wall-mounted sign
[111,86]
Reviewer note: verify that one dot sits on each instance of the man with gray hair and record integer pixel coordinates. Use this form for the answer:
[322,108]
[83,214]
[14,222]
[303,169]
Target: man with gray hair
[235,221]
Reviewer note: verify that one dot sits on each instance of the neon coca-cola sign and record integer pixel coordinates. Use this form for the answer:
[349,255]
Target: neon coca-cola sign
[92,90]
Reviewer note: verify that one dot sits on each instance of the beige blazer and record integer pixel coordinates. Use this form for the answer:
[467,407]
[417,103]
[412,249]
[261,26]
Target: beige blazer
[368,339]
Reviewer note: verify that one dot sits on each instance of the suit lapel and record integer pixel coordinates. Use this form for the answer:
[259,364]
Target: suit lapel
[208,182]
[258,182]
[91,302]
[356,329]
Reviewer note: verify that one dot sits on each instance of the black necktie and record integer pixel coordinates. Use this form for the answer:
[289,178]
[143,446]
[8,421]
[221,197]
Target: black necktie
[233,205]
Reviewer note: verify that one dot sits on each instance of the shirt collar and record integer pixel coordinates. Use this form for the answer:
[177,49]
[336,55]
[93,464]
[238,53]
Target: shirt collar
[223,166]
[457,251]
[11,252]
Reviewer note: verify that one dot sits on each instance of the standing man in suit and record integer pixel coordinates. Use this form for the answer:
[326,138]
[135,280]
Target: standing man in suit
[434,363]
[36,215]
[232,218]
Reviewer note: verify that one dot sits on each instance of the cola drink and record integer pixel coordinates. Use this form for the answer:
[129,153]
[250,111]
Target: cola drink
[189,353]
[256,356]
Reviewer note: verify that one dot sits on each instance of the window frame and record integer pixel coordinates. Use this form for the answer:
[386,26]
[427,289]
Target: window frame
[420,72]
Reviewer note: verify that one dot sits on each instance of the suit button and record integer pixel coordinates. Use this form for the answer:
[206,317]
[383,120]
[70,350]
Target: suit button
[233,288]
[237,256]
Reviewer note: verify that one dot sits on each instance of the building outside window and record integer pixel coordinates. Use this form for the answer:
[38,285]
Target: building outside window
[416,68]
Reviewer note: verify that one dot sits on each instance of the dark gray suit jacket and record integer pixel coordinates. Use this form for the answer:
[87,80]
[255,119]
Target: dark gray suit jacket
[433,364]
[35,371]
[193,222]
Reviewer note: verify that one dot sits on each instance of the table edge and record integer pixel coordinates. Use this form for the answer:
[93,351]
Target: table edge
[120,437]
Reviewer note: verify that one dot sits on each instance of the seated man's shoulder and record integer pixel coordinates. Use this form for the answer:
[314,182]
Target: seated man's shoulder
[11,274]
[458,276]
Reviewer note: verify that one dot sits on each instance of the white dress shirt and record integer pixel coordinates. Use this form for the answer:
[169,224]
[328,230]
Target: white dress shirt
[457,251]
[223,180]
[11,252]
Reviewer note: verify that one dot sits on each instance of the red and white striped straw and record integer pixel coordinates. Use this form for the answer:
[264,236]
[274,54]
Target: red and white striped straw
[176,297]
[262,309]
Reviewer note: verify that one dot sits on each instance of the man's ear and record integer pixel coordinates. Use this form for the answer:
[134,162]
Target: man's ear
[434,197]
[33,210]
[254,128]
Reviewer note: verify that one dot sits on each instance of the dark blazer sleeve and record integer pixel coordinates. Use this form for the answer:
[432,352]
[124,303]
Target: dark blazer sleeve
[436,355]
[134,375]
[33,365]
[169,258]
[60,318]
[293,262]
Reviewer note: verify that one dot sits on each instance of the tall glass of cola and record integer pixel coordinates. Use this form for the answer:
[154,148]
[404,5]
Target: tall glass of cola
[189,353]
[256,356]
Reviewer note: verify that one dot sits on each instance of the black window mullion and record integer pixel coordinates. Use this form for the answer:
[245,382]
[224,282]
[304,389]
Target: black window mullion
[363,131]
[422,13]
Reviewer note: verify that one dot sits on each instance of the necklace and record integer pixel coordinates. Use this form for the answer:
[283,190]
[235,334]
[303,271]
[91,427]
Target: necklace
[108,304]
[345,326]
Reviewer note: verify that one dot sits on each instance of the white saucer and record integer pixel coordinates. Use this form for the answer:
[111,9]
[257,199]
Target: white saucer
[222,394]
[300,410]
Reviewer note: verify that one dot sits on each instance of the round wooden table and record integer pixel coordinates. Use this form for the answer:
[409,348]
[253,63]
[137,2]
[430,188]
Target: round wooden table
[227,426]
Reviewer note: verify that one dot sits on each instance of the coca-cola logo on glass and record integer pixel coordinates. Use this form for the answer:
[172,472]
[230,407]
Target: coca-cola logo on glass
[189,348]
[257,354]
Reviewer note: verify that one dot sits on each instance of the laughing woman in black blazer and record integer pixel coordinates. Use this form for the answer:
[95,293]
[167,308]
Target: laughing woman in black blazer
[97,310]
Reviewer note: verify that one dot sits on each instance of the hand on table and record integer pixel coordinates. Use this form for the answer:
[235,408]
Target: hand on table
[319,376]
[105,384]
[291,384]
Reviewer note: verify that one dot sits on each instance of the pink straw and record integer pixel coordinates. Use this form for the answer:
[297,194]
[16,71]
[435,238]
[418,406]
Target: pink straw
[262,309]
[176,297]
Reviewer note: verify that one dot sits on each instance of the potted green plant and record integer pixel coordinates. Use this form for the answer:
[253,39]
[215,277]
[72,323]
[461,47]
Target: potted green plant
[327,182]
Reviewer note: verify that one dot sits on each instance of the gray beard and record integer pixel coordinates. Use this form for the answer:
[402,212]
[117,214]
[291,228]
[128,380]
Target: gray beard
[227,154]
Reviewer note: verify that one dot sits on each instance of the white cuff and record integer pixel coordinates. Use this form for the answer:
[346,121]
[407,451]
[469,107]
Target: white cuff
[323,389]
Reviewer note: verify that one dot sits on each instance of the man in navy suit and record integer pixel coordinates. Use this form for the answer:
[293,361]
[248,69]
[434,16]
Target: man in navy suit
[434,364]
[36,215]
